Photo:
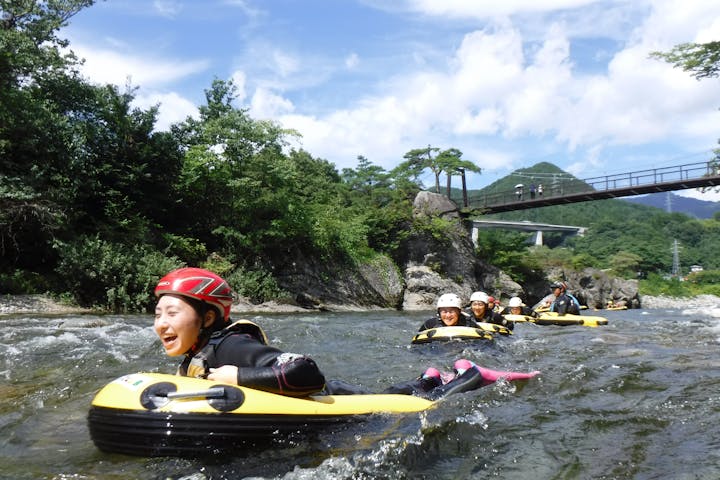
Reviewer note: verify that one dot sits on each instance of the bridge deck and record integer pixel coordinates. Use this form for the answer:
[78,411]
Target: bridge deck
[527,226]
[705,174]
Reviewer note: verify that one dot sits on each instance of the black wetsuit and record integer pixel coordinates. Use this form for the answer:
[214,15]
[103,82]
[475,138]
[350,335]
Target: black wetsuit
[565,303]
[492,317]
[435,322]
[259,366]
[263,367]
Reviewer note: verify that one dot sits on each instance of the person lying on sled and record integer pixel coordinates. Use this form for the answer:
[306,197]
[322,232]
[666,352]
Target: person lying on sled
[449,314]
[192,318]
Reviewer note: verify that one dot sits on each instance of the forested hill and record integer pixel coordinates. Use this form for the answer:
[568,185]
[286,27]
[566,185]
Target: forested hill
[643,233]
[668,201]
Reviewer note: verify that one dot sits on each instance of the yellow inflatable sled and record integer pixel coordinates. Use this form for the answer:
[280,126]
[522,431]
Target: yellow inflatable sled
[484,331]
[153,414]
[552,318]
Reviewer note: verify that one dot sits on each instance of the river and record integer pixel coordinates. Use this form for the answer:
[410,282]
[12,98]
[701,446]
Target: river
[636,399]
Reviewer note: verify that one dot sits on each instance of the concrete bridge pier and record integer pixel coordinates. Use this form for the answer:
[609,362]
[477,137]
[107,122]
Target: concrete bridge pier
[538,238]
[537,229]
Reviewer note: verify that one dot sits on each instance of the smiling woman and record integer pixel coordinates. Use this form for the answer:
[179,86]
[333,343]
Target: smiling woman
[192,318]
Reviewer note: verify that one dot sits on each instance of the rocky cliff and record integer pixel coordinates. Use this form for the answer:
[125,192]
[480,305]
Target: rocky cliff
[429,265]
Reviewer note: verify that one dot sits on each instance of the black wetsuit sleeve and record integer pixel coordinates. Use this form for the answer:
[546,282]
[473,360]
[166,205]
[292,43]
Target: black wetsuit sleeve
[470,322]
[429,323]
[268,368]
[500,320]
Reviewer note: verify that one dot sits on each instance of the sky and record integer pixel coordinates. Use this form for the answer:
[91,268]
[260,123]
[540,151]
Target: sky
[509,83]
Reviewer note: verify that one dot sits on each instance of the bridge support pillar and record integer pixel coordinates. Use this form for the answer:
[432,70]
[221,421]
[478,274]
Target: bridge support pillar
[538,238]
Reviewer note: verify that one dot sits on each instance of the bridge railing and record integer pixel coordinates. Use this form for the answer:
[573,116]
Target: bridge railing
[603,183]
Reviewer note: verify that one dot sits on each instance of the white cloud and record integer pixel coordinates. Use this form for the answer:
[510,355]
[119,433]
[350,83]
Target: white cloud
[352,61]
[239,79]
[266,104]
[167,8]
[250,11]
[491,86]
[488,9]
[511,82]
[709,196]
[172,108]
[107,66]
[283,63]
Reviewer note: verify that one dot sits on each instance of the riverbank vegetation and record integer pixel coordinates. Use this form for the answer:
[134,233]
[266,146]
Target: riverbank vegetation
[96,204]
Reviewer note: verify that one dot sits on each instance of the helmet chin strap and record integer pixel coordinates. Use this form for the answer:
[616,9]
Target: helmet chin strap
[203,336]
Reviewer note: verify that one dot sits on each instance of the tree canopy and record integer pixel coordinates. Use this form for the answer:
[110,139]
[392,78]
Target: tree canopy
[702,60]
[96,203]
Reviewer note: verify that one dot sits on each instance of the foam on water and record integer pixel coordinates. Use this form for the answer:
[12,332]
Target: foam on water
[634,399]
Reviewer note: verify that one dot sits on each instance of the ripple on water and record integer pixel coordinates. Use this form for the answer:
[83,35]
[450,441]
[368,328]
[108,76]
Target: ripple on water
[635,399]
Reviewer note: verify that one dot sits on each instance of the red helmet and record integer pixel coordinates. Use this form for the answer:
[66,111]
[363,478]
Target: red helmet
[200,284]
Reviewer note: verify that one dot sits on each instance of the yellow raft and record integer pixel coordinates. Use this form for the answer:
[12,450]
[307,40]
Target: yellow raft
[484,331]
[154,414]
[553,318]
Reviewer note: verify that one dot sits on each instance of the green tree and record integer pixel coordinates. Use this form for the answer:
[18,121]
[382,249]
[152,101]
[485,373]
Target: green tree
[702,60]
[419,159]
[450,162]
[39,83]
[382,201]
[244,197]
[625,264]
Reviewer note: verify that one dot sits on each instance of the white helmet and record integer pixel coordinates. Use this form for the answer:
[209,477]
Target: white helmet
[479,297]
[515,302]
[449,300]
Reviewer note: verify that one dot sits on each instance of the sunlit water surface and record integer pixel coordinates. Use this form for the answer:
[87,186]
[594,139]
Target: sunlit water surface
[638,398]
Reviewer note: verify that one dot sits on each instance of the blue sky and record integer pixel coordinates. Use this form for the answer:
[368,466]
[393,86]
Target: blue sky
[510,83]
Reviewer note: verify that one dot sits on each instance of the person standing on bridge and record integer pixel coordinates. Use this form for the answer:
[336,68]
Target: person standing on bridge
[564,302]
[540,189]
[532,191]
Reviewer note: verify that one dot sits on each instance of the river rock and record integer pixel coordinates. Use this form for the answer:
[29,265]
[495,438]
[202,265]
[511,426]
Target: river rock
[592,287]
[436,264]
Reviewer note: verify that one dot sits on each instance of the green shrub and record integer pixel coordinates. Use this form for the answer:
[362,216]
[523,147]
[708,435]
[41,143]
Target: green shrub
[191,250]
[705,277]
[22,282]
[437,227]
[656,285]
[256,284]
[112,277]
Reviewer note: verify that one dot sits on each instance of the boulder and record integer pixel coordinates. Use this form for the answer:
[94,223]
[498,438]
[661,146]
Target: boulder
[436,264]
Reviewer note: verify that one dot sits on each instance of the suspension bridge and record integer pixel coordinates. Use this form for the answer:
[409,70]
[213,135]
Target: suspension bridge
[563,191]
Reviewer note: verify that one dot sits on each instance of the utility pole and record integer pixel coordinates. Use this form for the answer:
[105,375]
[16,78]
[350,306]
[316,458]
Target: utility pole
[676,260]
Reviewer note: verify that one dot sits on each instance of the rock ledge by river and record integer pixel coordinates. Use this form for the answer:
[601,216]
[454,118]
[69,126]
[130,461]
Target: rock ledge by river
[43,304]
